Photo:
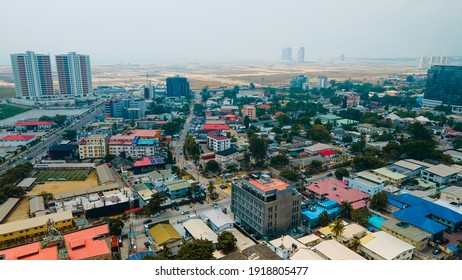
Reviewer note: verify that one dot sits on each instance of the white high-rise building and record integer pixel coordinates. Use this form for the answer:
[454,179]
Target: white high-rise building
[425,62]
[322,82]
[32,76]
[74,74]
[301,55]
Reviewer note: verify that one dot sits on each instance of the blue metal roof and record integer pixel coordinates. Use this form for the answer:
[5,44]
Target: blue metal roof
[413,217]
[139,256]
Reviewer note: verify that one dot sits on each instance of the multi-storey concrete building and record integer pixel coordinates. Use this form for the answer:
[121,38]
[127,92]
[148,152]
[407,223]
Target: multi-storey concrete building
[32,76]
[218,143]
[250,111]
[93,146]
[266,205]
[74,74]
[140,143]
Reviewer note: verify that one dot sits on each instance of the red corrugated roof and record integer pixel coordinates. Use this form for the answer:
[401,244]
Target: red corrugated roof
[92,248]
[327,153]
[265,106]
[31,252]
[218,137]
[216,127]
[33,123]
[22,137]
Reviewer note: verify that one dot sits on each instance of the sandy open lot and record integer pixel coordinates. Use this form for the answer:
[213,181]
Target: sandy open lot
[20,212]
[67,186]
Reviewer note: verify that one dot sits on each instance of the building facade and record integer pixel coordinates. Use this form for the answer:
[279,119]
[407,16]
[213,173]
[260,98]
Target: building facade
[301,55]
[93,146]
[74,74]
[322,82]
[218,143]
[249,111]
[444,86]
[32,76]
[177,86]
[266,205]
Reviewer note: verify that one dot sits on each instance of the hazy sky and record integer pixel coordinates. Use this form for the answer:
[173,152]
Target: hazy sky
[134,31]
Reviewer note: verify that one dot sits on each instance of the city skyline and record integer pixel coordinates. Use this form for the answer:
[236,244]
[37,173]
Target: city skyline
[262,31]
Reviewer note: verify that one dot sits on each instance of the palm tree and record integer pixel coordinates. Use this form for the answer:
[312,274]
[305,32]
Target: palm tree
[337,227]
[355,242]
[211,189]
[345,209]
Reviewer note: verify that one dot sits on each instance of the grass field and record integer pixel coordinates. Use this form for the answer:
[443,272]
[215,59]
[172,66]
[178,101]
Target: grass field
[7,111]
[68,175]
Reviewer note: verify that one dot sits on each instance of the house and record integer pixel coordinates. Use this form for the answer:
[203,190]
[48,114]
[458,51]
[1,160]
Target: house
[372,129]
[310,240]
[285,246]
[311,215]
[407,233]
[177,189]
[217,220]
[452,194]
[332,250]
[93,146]
[36,206]
[367,182]
[165,235]
[350,231]
[148,164]
[197,229]
[305,254]
[392,177]
[59,152]
[456,155]
[16,140]
[380,245]
[316,148]
[89,244]
[441,174]
[327,153]
[6,207]
[227,155]
[336,190]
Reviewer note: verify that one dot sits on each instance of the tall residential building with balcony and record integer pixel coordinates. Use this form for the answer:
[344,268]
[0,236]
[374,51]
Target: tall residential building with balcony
[218,143]
[93,146]
[177,86]
[322,82]
[74,74]
[266,205]
[32,76]
[250,111]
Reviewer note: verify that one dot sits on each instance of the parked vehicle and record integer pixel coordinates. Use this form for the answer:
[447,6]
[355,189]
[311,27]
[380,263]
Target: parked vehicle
[185,212]
[147,221]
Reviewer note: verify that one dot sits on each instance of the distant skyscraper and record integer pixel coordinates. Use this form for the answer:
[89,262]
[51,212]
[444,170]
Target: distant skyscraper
[322,82]
[444,86]
[425,62]
[287,53]
[177,86]
[74,74]
[301,55]
[342,57]
[149,92]
[32,75]
[301,82]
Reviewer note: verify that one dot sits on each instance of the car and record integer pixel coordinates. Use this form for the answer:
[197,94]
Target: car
[147,244]
[176,208]
[147,221]
[329,174]
[185,212]
[436,251]
[40,182]
[155,215]
[201,201]
[223,187]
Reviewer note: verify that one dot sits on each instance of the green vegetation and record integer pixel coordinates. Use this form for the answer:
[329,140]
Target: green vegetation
[155,202]
[227,241]
[196,250]
[379,201]
[68,175]
[7,111]
[11,178]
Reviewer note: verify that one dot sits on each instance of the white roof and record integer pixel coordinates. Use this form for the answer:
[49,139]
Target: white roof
[26,183]
[393,117]
[218,218]
[336,251]
[309,239]
[352,230]
[422,163]
[442,170]
[305,254]
[199,230]
[408,165]
[385,245]
[372,177]
[318,147]
[36,204]
[422,119]
[286,242]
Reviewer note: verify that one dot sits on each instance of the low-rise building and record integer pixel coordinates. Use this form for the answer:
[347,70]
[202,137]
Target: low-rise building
[33,125]
[198,230]
[332,250]
[177,189]
[249,111]
[105,175]
[165,235]
[367,182]
[336,190]
[383,246]
[392,177]
[452,194]
[16,140]
[441,174]
[217,220]
[218,143]
[311,215]
[407,233]
[285,246]
[227,155]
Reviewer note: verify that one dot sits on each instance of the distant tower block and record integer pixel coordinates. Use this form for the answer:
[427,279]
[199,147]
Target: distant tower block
[301,55]
[342,57]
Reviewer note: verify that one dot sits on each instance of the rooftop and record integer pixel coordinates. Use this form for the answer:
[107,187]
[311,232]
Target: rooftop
[17,137]
[406,229]
[272,184]
[104,174]
[408,165]
[385,245]
[145,133]
[31,251]
[286,242]
[218,218]
[318,147]
[82,245]
[34,222]
[6,207]
[388,173]
[151,160]
[30,123]
[336,251]
[199,230]
[442,170]
[162,233]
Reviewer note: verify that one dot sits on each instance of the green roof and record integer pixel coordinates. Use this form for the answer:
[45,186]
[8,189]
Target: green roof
[346,121]
[388,173]
[330,117]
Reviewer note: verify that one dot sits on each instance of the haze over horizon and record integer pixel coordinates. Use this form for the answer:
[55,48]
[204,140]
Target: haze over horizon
[143,31]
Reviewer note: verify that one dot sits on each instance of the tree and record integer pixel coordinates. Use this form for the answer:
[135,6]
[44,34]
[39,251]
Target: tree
[46,196]
[367,162]
[60,119]
[212,190]
[279,160]
[246,122]
[337,227]
[361,216]
[171,127]
[258,147]
[346,209]
[115,226]
[212,166]
[157,199]
[227,241]
[198,108]
[318,133]
[315,166]
[341,172]
[284,119]
[290,174]
[355,242]
[392,151]
[198,249]
[457,143]
[379,201]
[347,138]
[324,219]
[358,147]
[70,135]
